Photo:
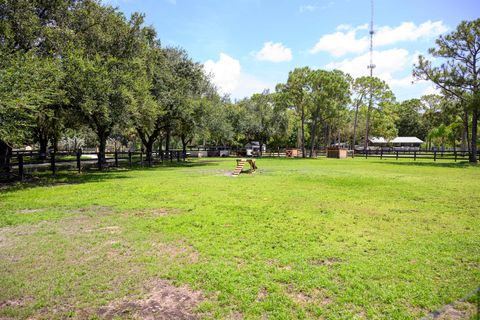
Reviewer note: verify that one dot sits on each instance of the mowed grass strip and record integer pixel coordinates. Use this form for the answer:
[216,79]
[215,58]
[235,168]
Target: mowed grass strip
[321,238]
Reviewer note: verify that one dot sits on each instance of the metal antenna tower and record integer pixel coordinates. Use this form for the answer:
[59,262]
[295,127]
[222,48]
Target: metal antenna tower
[371,66]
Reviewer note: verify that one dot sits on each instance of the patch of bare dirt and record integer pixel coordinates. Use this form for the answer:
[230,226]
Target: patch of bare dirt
[278,265]
[15,303]
[262,295]
[456,311]
[178,251]
[325,262]
[165,211]
[164,301]
[235,316]
[159,212]
[29,211]
[95,209]
[216,172]
[316,297]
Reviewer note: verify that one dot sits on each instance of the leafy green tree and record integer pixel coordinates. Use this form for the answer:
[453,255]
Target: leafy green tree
[360,90]
[104,69]
[459,75]
[381,97]
[26,83]
[296,94]
[409,119]
[330,95]
[266,119]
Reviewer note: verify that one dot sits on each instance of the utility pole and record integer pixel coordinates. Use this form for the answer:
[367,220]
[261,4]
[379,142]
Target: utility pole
[371,66]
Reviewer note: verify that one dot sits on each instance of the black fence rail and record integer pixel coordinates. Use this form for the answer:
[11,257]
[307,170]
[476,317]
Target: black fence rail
[420,154]
[20,163]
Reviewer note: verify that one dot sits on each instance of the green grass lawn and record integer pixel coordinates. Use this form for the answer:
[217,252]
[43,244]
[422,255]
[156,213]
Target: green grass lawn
[322,238]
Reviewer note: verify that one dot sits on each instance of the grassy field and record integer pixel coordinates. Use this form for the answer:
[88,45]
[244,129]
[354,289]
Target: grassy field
[323,238]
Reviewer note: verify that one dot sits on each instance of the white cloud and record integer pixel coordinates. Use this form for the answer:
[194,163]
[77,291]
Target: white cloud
[274,52]
[311,8]
[340,43]
[307,8]
[393,66]
[346,39]
[227,75]
[387,62]
[225,72]
[408,31]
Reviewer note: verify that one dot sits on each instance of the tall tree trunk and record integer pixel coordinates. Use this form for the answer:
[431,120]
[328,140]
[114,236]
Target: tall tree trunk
[464,140]
[54,141]
[43,142]
[325,136]
[312,138]
[303,133]
[167,140]
[148,144]
[184,144]
[5,155]
[465,124]
[354,141]
[102,139]
[369,110]
[473,154]
[329,136]
[313,133]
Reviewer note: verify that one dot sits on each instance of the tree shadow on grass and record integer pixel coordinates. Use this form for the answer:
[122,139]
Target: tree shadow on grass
[44,177]
[459,164]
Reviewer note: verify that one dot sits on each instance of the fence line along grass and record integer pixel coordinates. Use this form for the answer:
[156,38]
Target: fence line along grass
[323,238]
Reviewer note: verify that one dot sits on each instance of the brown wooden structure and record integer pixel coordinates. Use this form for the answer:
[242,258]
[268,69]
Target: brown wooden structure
[291,153]
[339,153]
[241,163]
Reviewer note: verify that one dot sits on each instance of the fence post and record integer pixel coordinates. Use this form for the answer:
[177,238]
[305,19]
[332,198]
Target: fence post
[397,154]
[381,153]
[178,156]
[171,156]
[414,155]
[161,156]
[116,158]
[455,153]
[435,155]
[79,165]
[20,167]
[129,158]
[52,162]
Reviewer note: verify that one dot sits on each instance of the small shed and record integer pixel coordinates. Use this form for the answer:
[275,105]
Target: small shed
[339,153]
[253,147]
[291,153]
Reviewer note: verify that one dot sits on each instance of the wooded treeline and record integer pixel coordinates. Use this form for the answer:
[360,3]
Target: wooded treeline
[79,72]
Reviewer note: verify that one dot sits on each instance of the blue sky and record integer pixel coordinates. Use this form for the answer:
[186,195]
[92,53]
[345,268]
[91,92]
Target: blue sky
[250,45]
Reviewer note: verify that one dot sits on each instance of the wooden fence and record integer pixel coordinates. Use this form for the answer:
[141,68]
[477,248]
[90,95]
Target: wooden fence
[20,163]
[420,154]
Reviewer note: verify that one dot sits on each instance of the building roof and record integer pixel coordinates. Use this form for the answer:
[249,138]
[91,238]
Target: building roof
[377,140]
[406,140]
